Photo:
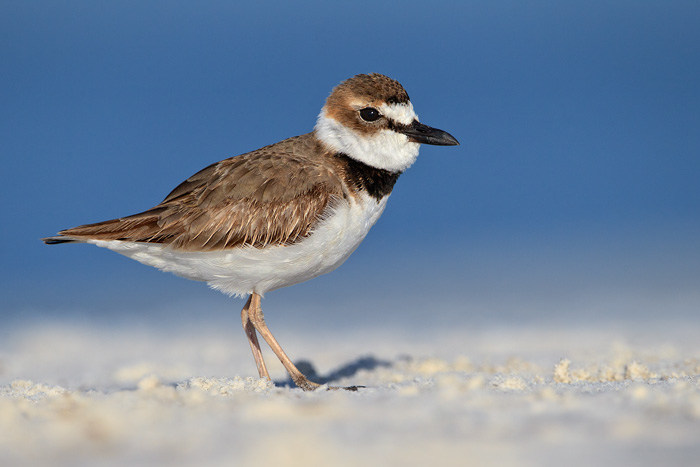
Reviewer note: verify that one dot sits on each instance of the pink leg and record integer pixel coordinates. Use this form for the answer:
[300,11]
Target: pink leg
[257,319]
[249,329]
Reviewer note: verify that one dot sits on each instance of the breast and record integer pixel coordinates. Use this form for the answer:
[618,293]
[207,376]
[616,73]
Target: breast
[247,269]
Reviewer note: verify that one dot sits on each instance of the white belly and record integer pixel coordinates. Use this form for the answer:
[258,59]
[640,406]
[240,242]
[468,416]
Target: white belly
[241,271]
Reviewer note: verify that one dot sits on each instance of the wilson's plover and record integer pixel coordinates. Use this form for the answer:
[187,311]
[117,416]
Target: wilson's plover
[284,213]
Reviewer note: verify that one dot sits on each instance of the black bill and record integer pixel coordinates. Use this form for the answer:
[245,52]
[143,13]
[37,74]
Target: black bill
[424,134]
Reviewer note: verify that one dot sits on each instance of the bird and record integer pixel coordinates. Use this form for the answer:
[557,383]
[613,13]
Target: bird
[281,214]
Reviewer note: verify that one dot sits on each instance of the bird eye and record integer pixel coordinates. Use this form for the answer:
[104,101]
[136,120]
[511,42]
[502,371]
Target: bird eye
[370,114]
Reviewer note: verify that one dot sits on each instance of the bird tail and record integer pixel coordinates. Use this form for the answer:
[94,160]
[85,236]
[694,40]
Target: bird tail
[60,239]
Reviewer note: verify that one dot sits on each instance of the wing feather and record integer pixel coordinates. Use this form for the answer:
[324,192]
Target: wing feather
[272,196]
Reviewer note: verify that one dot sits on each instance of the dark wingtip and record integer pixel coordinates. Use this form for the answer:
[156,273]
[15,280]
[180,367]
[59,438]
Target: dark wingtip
[56,240]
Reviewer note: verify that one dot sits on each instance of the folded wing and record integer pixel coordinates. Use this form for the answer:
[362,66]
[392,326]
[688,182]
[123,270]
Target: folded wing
[272,196]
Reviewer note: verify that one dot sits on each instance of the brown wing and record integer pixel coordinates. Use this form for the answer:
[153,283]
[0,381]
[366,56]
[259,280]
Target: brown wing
[272,196]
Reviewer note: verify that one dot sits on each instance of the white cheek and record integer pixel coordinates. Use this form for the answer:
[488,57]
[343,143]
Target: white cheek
[386,150]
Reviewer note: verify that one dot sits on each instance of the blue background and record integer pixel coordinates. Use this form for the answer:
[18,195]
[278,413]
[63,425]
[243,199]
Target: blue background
[575,193]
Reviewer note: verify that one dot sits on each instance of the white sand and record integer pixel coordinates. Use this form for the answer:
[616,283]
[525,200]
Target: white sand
[75,395]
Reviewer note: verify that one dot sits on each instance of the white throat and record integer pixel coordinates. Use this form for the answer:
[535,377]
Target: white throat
[386,149]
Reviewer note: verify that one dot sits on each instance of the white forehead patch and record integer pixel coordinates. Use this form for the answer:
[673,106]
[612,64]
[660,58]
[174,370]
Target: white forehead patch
[401,113]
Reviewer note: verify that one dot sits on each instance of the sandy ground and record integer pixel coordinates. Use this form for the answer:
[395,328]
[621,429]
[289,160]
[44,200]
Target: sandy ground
[537,395]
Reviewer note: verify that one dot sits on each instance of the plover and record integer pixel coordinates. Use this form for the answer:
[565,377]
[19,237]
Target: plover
[282,214]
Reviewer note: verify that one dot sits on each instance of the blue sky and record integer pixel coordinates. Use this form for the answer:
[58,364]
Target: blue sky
[579,123]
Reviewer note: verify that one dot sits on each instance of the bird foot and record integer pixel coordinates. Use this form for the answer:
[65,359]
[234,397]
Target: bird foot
[347,388]
[308,385]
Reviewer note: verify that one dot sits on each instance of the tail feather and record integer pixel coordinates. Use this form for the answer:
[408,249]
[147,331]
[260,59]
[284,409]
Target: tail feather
[59,239]
[139,227]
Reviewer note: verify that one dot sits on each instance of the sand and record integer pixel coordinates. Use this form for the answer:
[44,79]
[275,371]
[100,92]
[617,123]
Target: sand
[116,395]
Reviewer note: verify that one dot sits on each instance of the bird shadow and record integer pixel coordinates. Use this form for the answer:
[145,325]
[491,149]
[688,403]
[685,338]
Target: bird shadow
[346,371]
[306,367]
